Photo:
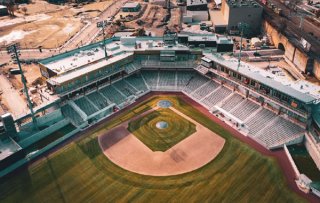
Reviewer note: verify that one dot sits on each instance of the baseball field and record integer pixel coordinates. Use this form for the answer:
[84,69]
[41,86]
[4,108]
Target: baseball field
[80,172]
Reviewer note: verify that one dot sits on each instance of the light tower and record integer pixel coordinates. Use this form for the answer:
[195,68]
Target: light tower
[13,49]
[103,24]
[242,27]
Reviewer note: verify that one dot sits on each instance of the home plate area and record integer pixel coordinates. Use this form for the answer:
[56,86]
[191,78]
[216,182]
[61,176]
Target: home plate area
[161,142]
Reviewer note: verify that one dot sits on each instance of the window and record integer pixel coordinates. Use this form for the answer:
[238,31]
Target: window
[239,77]
[253,83]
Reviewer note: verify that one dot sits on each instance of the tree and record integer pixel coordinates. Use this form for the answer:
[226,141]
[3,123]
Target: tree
[140,32]
[11,6]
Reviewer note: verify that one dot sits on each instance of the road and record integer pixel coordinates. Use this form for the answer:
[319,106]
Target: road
[12,98]
[87,35]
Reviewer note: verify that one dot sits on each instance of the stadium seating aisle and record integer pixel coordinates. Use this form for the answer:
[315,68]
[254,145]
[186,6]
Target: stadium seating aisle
[204,90]
[98,100]
[85,106]
[70,113]
[124,88]
[151,78]
[136,81]
[167,80]
[244,109]
[183,78]
[194,83]
[215,97]
[282,130]
[260,120]
[232,102]
[113,95]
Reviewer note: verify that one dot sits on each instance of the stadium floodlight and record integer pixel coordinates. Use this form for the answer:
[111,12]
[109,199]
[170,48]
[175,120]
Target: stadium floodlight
[242,28]
[103,24]
[14,51]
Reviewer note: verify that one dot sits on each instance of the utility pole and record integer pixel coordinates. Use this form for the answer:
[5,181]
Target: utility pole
[102,24]
[13,49]
[242,27]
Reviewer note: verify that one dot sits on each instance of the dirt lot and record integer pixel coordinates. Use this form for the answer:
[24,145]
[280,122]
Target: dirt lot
[47,25]
[151,20]
[128,152]
[12,97]
[31,72]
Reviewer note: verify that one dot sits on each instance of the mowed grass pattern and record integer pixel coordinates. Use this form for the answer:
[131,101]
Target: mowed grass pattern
[156,139]
[79,172]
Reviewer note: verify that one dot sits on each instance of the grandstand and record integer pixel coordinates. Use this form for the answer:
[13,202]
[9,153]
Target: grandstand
[93,88]
[98,100]
[72,114]
[204,90]
[167,80]
[113,95]
[281,132]
[244,109]
[215,97]
[194,83]
[231,102]
[151,78]
[260,120]
[137,81]
[86,106]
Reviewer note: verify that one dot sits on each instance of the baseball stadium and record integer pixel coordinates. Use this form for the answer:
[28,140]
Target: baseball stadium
[173,118]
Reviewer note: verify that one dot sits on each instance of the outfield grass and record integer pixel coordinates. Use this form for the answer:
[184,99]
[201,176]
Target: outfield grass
[156,139]
[79,172]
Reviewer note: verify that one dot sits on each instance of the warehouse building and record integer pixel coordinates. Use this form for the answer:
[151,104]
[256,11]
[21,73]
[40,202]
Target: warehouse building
[245,11]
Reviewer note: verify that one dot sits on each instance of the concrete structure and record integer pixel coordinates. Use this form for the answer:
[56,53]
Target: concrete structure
[131,7]
[246,11]
[219,23]
[303,61]
[224,44]
[3,10]
[195,16]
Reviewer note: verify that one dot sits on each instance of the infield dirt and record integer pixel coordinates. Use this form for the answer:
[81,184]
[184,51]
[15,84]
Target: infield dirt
[127,151]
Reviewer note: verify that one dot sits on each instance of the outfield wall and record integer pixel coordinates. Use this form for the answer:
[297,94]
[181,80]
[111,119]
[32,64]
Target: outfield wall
[295,168]
[313,150]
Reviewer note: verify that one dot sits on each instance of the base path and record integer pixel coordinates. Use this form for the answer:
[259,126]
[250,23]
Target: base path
[128,152]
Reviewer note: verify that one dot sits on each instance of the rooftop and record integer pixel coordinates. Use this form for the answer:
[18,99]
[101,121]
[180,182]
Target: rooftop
[196,2]
[224,40]
[217,18]
[202,38]
[301,90]
[84,60]
[243,3]
[130,5]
